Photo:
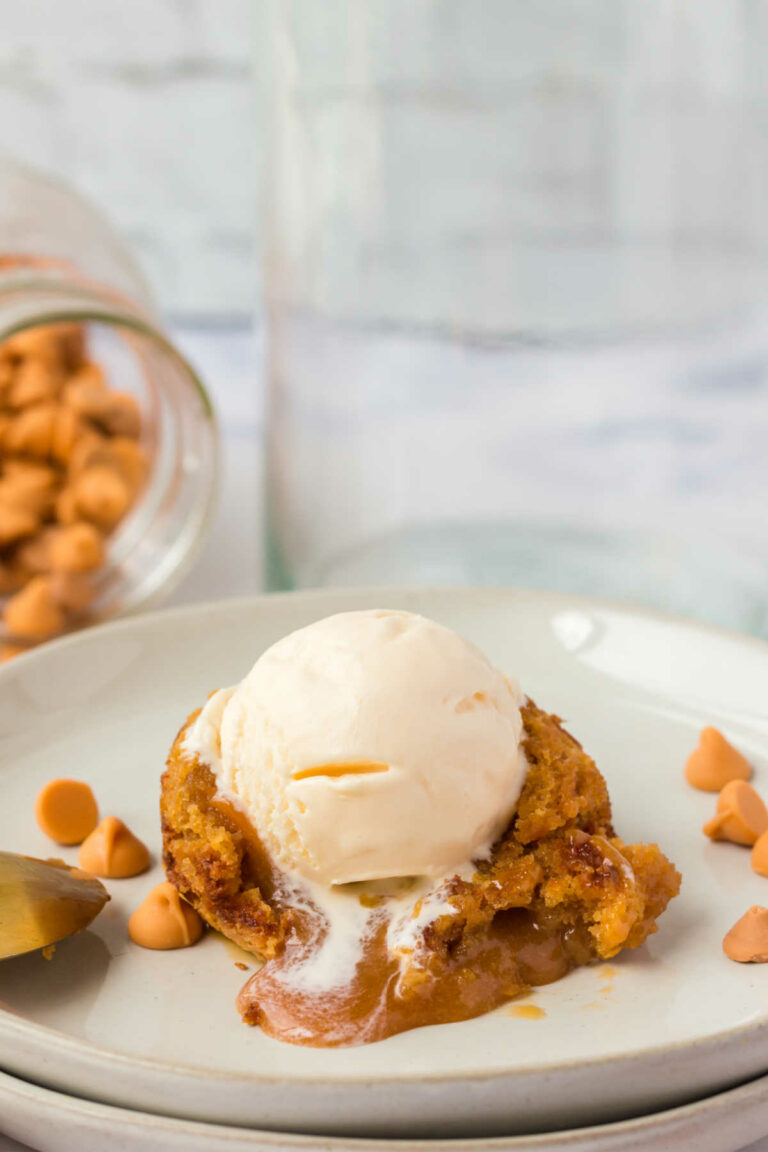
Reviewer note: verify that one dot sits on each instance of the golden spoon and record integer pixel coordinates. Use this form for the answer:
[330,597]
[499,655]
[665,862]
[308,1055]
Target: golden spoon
[42,901]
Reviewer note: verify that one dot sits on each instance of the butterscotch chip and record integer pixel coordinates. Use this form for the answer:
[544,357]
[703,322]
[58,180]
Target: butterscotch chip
[16,523]
[34,383]
[90,449]
[87,398]
[12,577]
[715,763]
[123,455]
[41,343]
[66,810]
[76,548]
[101,496]
[113,851]
[747,941]
[14,347]
[31,432]
[120,415]
[71,341]
[67,431]
[61,346]
[72,591]
[33,613]
[31,475]
[66,506]
[33,556]
[37,504]
[30,487]
[164,921]
[7,374]
[90,375]
[69,455]
[759,855]
[10,496]
[740,816]
[130,460]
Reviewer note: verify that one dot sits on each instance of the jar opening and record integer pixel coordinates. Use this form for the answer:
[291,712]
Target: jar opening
[156,541]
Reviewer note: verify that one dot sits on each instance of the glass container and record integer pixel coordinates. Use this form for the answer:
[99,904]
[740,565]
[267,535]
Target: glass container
[515,285]
[62,262]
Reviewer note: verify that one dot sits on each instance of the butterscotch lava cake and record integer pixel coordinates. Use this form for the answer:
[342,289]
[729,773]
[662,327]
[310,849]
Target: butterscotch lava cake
[404,838]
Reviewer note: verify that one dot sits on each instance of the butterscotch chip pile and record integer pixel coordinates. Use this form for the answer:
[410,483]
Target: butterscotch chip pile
[71,466]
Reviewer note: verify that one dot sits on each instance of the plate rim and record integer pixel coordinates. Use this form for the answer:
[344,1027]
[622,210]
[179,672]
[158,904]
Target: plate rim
[59,1042]
[734,1097]
[19,1027]
[256,599]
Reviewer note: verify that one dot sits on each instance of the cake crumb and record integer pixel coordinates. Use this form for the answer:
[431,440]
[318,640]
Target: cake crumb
[48,951]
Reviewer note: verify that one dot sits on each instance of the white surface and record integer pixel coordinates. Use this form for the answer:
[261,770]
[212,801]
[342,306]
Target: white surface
[63,1124]
[108,1021]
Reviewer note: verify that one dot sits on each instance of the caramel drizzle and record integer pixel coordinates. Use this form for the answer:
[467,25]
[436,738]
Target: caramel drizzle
[334,771]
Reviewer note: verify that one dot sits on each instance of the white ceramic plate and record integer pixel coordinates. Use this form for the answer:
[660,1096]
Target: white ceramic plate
[158,1031]
[50,1122]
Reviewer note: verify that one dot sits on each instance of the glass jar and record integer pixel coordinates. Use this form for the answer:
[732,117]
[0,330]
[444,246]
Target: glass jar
[61,262]
[516,287]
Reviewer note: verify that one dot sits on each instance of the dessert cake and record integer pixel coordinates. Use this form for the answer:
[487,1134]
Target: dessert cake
[557,889]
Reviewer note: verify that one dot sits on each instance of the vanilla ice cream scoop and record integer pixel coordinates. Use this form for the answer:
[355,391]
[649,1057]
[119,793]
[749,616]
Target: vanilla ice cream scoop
[368,745]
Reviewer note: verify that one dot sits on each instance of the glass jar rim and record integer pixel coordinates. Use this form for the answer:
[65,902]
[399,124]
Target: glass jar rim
[133,321]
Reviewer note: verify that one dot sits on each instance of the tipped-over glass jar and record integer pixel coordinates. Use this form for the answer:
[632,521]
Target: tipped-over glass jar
[108,442]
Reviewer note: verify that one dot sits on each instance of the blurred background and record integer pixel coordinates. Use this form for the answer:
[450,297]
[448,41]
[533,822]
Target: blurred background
[509,270]
[147,108]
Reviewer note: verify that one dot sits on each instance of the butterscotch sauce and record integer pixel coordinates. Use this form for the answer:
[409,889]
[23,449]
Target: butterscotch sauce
[354,969]
[527,1011]
[352,972]
[386,996]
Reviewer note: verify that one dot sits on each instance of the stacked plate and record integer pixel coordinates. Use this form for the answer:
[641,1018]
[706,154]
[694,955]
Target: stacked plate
[108,1045]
